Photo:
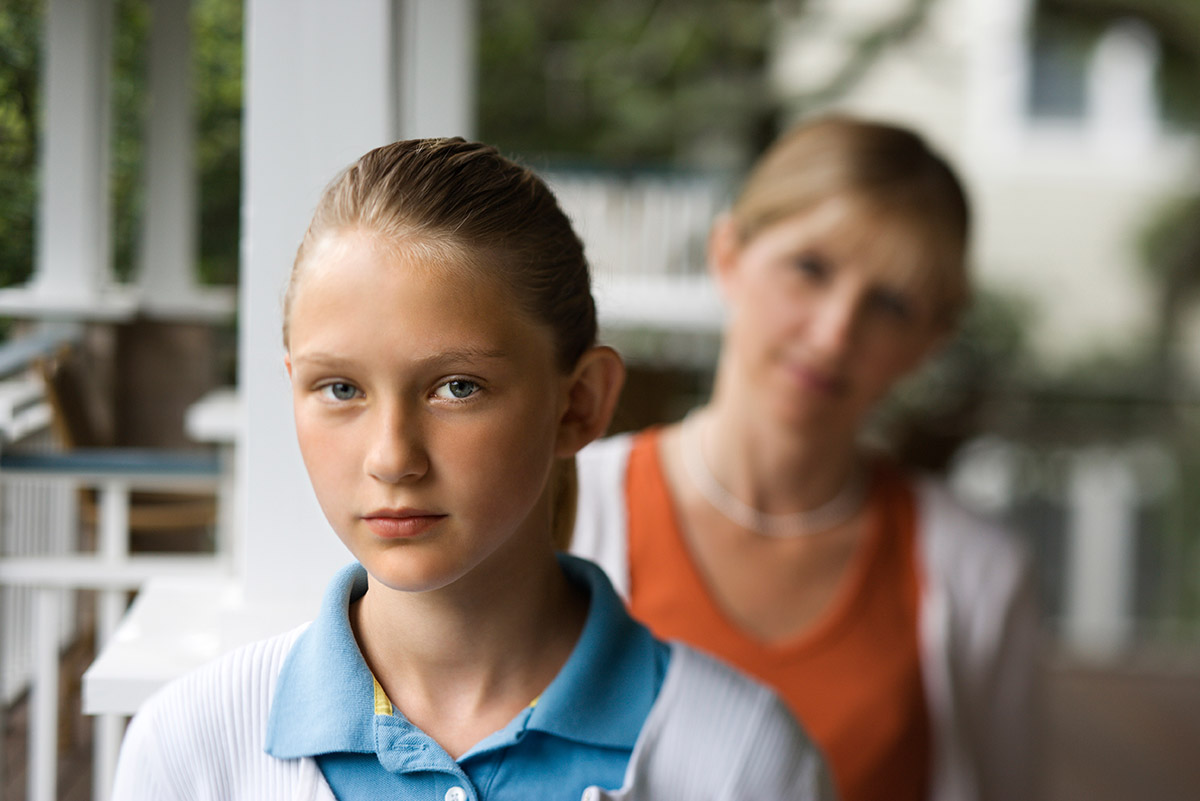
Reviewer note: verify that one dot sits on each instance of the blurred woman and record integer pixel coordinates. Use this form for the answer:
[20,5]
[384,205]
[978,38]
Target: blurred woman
[898,627]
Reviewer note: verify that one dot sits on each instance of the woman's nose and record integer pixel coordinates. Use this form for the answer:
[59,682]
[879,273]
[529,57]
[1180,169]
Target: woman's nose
[395,452]
[835,324]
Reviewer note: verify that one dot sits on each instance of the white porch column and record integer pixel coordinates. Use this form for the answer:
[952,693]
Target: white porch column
[320,91]
[437,68]
[1123,113]
[72,254]
[997,77]
[167,253]
[1100,553]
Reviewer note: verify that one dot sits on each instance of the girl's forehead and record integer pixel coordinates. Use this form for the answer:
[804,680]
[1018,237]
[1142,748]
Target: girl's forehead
[339,254]
[339,247]
[418,295]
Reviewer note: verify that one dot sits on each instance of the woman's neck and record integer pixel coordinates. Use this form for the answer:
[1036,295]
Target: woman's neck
[462,661]
[770,464]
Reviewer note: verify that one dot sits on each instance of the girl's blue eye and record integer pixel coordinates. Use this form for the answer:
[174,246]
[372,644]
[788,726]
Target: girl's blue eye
[458,389]
[340,390]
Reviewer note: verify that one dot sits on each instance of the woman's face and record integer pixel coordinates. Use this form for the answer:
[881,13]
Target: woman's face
[426,408]
[825,316]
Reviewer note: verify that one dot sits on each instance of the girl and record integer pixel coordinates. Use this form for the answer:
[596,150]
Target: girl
[439,333]
[899,628]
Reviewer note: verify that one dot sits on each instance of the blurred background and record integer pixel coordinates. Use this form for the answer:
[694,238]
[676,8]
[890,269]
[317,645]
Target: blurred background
[1069,405]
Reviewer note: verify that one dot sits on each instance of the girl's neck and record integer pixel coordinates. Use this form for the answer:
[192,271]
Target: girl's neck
[461,662]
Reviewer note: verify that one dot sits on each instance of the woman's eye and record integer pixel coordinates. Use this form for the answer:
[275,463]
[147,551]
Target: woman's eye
[893,304]
[812,265]
[340,390]
[458,389]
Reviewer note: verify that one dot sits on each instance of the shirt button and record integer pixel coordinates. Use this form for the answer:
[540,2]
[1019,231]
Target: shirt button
[456,794]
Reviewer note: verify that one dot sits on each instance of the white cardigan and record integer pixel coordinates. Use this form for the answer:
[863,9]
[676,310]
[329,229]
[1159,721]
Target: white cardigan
[711,735]
[978,628]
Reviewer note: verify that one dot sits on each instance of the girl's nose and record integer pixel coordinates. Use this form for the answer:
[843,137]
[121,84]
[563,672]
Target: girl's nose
[396,452]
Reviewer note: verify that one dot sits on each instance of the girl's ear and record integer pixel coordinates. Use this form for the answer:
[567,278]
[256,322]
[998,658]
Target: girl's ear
[287,363]
[592,392]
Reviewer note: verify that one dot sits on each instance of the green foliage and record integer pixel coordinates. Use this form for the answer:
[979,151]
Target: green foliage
[20,22]
[217,94]
[217,80]
[624,82]
[129,109]
[1170,244]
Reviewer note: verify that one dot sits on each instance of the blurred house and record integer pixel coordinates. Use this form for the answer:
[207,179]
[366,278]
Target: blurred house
[1066,153]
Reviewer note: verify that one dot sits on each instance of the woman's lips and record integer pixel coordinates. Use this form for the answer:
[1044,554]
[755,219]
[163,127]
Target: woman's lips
[401,525]
[820,381]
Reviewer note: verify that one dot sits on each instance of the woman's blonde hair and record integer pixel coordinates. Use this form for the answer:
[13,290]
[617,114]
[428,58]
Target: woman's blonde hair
[460,202]
[889,174]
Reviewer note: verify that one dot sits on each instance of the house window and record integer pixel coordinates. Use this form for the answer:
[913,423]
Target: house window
[1058,75]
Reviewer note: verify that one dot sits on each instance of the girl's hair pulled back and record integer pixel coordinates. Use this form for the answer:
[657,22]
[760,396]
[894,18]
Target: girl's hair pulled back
[463,203]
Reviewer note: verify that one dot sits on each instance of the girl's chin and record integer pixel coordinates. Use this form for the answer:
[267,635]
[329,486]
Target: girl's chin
[405,570]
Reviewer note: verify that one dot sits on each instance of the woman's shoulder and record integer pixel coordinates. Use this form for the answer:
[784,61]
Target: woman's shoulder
[607,453]
[600,509]
[715,733]
[955,532]
[974,563]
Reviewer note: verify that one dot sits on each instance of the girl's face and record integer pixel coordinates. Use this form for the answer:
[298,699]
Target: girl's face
[425,407]
[824,317]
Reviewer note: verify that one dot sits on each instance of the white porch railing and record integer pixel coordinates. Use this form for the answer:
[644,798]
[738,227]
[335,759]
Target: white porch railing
[35,519]
[646,238]
[42,565]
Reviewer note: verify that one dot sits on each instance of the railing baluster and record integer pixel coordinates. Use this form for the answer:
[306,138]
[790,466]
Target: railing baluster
[43,718]
[114,549]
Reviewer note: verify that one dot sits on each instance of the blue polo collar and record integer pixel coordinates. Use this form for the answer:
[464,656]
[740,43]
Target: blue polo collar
[324,696]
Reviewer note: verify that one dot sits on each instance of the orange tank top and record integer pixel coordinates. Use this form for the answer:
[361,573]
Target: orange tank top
[853,679]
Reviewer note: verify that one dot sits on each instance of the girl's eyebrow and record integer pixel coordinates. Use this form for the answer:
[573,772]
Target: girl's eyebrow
[441,357]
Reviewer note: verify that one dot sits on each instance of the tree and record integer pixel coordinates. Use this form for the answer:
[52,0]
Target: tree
[19,28]
[631,82]
[217,68]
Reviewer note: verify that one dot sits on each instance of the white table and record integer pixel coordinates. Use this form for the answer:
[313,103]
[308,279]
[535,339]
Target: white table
[175,625]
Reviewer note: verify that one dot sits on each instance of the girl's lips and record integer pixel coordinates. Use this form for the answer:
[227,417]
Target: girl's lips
[393,526]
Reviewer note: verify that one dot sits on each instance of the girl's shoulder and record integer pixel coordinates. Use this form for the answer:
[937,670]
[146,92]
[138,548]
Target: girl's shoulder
[225,685]
[715,733]
[196,729]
